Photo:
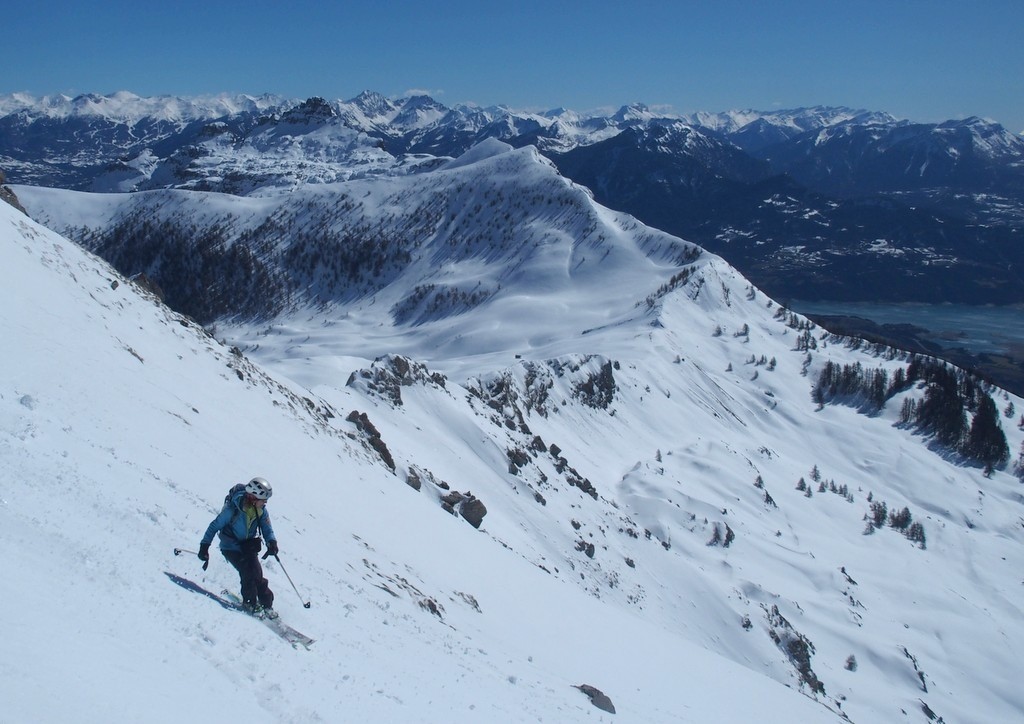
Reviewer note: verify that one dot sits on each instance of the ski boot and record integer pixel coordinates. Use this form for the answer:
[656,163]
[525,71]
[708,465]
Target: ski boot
[254,609]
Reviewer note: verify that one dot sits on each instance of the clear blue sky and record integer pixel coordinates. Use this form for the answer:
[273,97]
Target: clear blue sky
[927,60]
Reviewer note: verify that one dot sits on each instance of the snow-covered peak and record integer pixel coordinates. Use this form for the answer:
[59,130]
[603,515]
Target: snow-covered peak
[127,107]
[488,148]
[563,114]
[419,112]
[987,138]
[790,121]
[374,105]
[634,112]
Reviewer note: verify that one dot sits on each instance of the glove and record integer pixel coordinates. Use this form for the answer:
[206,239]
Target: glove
[271,549]
[204,554]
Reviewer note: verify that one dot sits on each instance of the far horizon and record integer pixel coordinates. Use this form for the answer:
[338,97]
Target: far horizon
[928,62]
[18,99]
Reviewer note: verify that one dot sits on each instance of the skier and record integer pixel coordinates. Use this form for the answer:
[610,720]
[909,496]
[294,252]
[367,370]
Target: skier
[239,524]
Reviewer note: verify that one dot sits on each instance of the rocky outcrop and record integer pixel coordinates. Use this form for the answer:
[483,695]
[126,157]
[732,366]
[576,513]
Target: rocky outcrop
[8,196]
[312,111]
[598,698]
[465,504]
[372,437]
[389,374]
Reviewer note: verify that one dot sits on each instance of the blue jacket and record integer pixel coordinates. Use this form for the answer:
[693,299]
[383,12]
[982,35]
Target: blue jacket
[231,524]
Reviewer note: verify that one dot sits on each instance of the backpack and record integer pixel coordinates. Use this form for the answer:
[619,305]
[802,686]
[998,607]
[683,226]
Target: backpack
[234,490]
[227,501]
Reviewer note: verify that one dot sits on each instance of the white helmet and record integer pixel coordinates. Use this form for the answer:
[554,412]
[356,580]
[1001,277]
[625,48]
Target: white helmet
[259,488]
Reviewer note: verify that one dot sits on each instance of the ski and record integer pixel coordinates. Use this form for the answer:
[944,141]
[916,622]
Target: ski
[231,602]
[295,638]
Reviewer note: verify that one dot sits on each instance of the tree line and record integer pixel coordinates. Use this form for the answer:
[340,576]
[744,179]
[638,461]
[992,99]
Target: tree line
[950,398]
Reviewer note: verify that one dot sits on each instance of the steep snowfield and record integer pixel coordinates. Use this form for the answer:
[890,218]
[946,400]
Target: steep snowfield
[613,433]
[121,425]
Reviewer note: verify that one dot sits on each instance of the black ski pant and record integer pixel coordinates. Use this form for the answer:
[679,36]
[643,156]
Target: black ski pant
[255,587]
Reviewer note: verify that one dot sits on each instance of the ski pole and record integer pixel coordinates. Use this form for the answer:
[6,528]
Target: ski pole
[179,551]
[305,604]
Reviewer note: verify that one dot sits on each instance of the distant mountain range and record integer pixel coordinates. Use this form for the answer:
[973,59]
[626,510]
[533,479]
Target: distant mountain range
[815,203]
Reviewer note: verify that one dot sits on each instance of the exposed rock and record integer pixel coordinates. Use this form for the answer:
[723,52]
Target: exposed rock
[517,458]
[597,697]
[390,373]
[586,547]
[465,504]
[429,604]
[797,647]
[7,195]
[372,436]
[146,283]
[502,393]
[473,510]
[597,390]
[311,111]
[413,480]
[575,479]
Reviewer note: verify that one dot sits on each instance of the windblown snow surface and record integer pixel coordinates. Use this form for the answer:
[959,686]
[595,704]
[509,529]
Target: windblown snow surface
[638,454]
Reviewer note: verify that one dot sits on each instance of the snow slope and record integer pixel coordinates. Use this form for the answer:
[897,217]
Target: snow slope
[638,452]
[122,424]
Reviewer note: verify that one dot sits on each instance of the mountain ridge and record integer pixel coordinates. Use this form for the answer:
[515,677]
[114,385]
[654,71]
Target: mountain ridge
[917,212]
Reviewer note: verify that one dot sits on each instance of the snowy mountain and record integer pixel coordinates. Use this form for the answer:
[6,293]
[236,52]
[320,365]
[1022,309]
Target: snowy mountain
[831,203]
[754,130]
[857,158]
[427,246]
[692,499]
[63,141]
[801,244]
[815,203]
[117,127]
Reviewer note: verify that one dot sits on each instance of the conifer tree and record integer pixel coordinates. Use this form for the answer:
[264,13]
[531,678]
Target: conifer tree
[941,412]
[986,441]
